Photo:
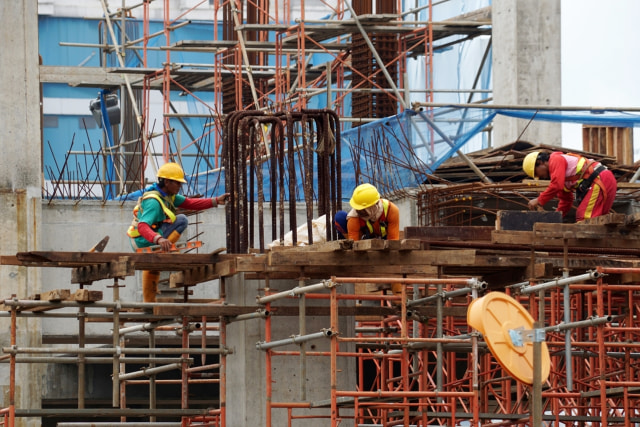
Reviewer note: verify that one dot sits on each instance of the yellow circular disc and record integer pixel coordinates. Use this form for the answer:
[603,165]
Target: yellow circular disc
[494,315]
[474,314]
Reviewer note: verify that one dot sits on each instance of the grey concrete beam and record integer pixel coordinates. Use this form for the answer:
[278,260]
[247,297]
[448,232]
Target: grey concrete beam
[86,76]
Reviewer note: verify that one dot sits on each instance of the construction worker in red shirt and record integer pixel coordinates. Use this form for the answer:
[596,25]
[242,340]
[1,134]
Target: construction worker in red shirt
[594,185]
[155,221]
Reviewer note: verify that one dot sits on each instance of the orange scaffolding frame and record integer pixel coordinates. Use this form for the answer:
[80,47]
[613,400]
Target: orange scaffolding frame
[438,372]
[290,80]
[122,378]
[419,364]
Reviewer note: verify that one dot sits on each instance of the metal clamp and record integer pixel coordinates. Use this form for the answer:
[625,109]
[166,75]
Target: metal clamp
[520,336]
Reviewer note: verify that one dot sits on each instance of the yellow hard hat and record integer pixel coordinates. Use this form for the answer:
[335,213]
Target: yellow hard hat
[364,196]
[529,164]
[171,171]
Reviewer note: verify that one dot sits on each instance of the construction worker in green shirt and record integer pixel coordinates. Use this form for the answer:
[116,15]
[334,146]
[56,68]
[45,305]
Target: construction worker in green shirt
[155,220]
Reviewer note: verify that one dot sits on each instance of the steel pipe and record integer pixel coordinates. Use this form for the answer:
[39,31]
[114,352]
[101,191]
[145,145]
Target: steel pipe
[326,284]
[146,326]
[443,295]
[258,314]
[297,339]
[595,321]
[14,302]
[150,371]
[592,275]
[128,424]
[100,360]
[111,350]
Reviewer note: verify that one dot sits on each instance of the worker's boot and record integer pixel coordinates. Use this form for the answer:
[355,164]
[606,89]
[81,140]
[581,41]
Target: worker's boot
[396,289]
[150,281]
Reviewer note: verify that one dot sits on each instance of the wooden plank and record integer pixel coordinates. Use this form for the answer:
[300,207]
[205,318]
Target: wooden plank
[323,272]
[404,245]
[226,268]
[524,220]
[630,278]
[334,245]
[55,295]
[117,268]
[373,258]
[484,161]
[547,236]
[202,274]
[252,263]
[176,280]
[160,262]
[586,263]
[370,245]
[37,309]
[632,220]
[387,245]
[88,273]
[539,270]
[499,261]
[511,237]
[611,140]
[464,233]
[86,295]
[199,274]
[608,219]
[365,288]
[585,231]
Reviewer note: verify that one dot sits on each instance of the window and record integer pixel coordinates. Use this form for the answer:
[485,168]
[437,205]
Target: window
[50,121]
[87,122]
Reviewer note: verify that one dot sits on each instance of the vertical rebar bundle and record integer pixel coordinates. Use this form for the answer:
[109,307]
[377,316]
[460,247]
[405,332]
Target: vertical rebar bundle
[288,148]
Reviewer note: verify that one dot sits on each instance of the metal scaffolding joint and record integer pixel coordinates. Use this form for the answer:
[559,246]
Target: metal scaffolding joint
[519,336]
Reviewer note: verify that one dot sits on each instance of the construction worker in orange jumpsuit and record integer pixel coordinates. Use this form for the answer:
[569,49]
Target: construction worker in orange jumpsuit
[373,217]
[594,185]
[155,220]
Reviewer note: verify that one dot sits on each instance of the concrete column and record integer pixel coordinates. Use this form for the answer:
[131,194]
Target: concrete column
[20,177]
[246,367]
[526,66]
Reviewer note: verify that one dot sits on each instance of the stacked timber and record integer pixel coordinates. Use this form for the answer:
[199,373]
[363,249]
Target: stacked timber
[504,164]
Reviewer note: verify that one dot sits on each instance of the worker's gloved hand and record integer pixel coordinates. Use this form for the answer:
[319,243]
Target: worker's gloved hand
[534,204]
[165,244]
[222,199]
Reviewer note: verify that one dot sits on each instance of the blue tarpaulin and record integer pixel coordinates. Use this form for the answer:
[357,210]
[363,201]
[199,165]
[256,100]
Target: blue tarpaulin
[401,151]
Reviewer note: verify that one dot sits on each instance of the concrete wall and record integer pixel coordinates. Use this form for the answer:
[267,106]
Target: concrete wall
[293,379]
[20,183]
[526,67]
